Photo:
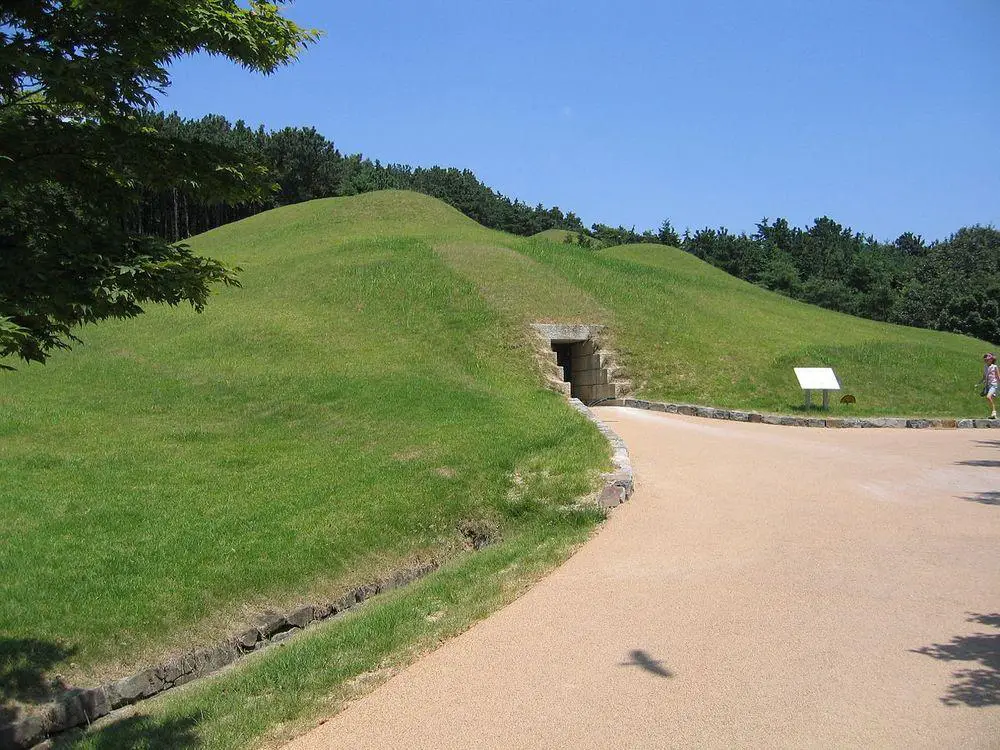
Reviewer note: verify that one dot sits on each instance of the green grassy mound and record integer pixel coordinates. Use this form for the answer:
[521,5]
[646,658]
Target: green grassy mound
[345,412]
[368,392]
[690,332]
[568,236]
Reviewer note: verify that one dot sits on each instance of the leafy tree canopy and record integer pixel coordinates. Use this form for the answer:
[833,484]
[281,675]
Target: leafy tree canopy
[77,154]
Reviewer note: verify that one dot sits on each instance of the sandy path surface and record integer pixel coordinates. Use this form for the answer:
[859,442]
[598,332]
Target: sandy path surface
[765,587]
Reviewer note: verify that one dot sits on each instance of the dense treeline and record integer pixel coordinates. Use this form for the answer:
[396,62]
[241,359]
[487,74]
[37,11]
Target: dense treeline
[950,285]
[304,165]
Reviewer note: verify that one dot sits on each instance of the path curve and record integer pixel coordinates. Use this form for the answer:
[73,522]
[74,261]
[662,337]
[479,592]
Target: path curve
[765,587]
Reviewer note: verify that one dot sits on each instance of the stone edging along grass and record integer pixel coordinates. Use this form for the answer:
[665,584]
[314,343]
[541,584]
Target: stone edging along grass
[736,415]
[77,707]
[620,483]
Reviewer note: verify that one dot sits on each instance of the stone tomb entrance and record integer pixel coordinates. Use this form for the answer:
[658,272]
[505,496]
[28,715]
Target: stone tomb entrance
[582,369]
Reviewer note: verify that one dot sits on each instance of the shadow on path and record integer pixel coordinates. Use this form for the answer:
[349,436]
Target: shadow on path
[977,686]
[990,497]
[646,662]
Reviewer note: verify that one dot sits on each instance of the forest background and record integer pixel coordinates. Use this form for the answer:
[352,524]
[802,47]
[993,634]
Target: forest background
[949,285]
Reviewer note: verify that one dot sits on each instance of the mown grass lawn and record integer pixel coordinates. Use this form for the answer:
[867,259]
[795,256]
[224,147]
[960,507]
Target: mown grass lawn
[369,391]
[341,415]
[689,332]
[280,692]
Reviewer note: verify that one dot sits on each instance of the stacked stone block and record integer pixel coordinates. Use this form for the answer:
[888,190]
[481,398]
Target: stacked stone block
[590,375]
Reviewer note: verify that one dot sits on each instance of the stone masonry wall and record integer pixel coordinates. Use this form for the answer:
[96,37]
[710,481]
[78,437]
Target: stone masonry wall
[593,370]
[591,376]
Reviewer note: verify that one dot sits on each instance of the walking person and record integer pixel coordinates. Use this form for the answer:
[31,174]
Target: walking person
[991,378]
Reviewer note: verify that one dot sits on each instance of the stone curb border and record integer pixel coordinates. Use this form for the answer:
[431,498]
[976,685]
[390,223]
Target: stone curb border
[620,483]
[710,412]
[79,707]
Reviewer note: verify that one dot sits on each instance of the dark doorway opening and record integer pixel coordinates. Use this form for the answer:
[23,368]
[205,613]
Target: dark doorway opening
[584,368]
[564,358]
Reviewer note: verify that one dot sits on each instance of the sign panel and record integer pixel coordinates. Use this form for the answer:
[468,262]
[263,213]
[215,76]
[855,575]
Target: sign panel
[818,378]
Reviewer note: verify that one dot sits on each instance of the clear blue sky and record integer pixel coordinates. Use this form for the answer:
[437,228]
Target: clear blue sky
[882,114]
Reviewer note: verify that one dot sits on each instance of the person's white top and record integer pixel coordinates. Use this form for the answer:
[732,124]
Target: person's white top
[992,374]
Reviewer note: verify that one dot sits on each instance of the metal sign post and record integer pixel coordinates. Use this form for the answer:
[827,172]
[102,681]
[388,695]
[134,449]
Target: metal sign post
[817,378]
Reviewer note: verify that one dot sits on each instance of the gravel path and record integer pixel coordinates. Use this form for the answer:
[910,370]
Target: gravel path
[765,587]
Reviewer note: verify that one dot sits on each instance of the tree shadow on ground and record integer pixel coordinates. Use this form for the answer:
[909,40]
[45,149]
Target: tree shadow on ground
[978,686]
[990,497]
[644,661]
[135,733]
[24,667]
[984,462]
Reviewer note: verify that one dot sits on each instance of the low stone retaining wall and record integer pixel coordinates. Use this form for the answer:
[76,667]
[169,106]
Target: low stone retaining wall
[736,415]
[79,707]
[619,484]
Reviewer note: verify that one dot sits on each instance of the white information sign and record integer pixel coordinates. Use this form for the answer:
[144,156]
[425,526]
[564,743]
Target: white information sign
[818,378]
